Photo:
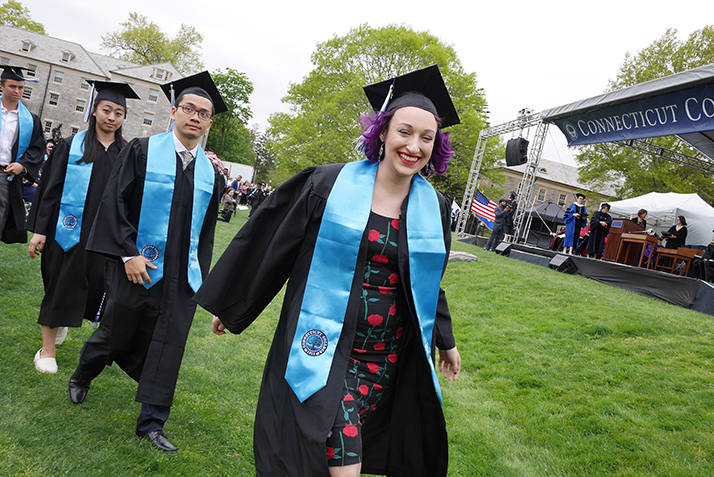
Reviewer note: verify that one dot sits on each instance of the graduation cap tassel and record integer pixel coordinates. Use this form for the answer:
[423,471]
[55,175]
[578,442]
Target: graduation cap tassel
[170,126]
[389,96]
[88,108]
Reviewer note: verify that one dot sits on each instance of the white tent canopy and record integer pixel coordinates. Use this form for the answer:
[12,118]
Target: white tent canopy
[665,208]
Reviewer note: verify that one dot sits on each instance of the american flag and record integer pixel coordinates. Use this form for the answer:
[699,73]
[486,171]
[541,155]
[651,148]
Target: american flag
[483,208]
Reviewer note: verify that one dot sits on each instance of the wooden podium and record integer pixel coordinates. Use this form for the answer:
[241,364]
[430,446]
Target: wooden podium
[617,228]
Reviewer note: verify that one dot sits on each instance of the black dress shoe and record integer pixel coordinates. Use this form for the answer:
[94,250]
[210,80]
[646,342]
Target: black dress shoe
[159,440]
[78,388]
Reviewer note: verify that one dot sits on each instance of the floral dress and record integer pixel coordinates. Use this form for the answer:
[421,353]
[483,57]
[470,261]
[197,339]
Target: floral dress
[376,345]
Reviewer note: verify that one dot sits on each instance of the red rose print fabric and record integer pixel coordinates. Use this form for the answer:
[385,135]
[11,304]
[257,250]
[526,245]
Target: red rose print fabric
[376,345]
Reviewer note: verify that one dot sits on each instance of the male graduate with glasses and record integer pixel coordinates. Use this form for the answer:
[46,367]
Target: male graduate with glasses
[156,222]
[22,148]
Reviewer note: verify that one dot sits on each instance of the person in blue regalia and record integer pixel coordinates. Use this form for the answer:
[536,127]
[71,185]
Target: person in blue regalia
[155,225]
[350,384]
[73,184]
[22,145]
[576,217]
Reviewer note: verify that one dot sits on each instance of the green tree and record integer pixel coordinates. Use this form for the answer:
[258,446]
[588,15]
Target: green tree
[323,126]
[12,13]
[230,139]
[640,173]
[265,161]
[141,41]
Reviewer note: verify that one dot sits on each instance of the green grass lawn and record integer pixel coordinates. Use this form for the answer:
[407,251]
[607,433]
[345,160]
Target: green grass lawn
[562,376]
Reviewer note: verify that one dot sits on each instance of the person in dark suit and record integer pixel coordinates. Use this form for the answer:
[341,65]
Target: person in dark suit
[499,225]
[640,219]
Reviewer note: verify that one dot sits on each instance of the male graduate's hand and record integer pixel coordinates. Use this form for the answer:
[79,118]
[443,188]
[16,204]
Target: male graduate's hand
[218,327]
[450,363]
[37,244]
[15,168]
[135,269]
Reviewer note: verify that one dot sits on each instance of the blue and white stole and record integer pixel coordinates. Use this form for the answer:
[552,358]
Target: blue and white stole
[334,264]
[74,195]
[24,129]
[155,212]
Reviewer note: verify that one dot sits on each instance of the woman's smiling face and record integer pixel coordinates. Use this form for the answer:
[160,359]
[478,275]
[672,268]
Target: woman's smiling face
[409,140]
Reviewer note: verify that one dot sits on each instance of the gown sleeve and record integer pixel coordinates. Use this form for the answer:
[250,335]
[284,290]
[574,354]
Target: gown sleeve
[260,258]
[52,184]
[115,226]
[444,331]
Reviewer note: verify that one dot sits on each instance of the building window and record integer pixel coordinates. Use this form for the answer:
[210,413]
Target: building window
[81,104]
[148,119]
[59,77]
[561,200]
[54,99]
[4,61]
[27,94]
[84,85]
[153,95]
[48,126]
[67,56]
[31,70]
[27,46]
[541,195]
[75,130]
[160,74]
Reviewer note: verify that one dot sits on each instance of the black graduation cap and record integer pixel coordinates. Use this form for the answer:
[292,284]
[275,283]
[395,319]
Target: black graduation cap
[117,93]
[424,89]
[201,84]
[15,73]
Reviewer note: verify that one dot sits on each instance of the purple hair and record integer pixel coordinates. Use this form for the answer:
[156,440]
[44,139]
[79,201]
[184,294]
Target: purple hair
[373,123]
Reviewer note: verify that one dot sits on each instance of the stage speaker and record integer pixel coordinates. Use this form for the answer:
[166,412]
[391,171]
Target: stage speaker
[503,248]
[516,151]
[563,263]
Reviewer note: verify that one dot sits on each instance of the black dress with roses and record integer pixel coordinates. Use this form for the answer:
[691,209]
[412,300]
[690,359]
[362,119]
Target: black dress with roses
[405,435]
[376,345]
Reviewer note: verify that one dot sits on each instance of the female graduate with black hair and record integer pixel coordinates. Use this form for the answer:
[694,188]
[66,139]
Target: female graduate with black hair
[63,217]
[350,383]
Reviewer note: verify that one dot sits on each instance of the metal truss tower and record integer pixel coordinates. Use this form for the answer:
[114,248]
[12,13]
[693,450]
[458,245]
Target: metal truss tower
[521,221]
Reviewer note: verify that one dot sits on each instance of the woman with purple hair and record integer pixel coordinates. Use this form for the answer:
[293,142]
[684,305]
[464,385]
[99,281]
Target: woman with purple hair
[350,384]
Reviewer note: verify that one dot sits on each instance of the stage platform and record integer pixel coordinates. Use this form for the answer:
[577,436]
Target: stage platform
[677,290]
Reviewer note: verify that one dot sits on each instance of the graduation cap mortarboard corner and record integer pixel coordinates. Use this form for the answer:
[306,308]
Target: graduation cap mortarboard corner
[201,84]
[15,73]
[424,89]
[117,93]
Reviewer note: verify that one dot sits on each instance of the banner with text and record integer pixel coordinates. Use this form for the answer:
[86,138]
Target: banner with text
[681,112]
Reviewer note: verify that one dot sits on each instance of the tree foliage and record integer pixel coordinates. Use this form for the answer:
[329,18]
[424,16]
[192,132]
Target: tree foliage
[323,125]
[12,13]
[264,160]
[229,138]
[141,41]
[640,173]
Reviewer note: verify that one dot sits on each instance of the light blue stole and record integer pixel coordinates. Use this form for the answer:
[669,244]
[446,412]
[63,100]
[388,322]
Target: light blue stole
[24,129]
[74,196]
[155,212]
[334,264]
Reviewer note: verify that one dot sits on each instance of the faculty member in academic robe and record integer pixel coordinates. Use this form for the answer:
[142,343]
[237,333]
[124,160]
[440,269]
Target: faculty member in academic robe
[599,228]
[350,383]
[156,223]
[63,216]
[575,218]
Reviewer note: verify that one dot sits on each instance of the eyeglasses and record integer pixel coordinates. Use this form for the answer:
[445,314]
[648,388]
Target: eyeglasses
[188,110]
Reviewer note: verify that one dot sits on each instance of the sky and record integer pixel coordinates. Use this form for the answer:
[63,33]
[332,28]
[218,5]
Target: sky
[525,54]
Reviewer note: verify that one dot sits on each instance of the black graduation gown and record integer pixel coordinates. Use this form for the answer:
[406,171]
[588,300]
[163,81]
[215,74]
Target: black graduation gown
[150,356]
[407,437]
[681,239]
[73,280]
[14,231]
[596,242]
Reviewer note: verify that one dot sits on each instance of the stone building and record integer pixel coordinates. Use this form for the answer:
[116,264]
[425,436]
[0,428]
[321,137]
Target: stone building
[61,95]
[556,182]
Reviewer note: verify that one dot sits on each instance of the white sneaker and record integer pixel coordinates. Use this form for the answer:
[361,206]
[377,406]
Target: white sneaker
[61,335]
[45,365]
